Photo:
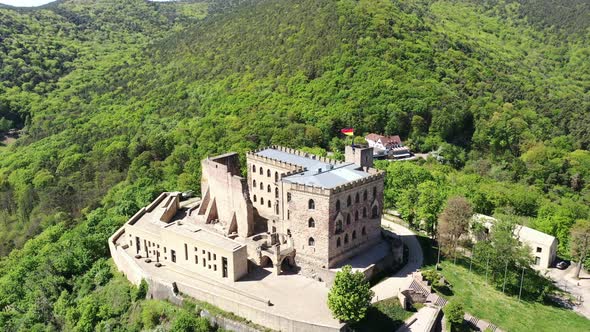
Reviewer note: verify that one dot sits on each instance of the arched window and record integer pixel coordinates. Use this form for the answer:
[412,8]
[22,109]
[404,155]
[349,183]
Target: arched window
[254,168]
[375,192]
[261,186]
[353,235]
[254,183]
[311,223]
[261,201]
[348,218]
[364,212]
[276,192]
[268,189]
[311,242]
[311,204]
[356,215]
[365,195]
[276,176]
[254,198]
[261,171]
[337,205]
[348,201]
[356,198]
[288,232]
[338,227]
[346,239]
[268,203]
[288,197]
[375,211]
[276,208]
[268,172]
[338,243]
[364,232]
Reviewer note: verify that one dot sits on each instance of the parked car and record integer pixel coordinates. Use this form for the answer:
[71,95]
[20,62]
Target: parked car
[562,265]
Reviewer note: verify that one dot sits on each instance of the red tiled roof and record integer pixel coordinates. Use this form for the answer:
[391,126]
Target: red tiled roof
[373,137]
[386,140]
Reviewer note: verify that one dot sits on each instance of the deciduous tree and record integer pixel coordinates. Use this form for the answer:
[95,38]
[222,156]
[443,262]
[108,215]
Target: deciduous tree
[580,243]
[350,295]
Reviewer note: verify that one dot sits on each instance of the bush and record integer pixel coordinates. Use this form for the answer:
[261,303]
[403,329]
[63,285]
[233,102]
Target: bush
[454,312]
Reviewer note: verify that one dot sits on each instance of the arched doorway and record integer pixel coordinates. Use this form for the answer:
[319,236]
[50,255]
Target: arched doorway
[266,262]
[288,265]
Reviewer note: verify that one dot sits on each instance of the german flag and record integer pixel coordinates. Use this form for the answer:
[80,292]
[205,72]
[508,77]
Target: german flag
[347,131]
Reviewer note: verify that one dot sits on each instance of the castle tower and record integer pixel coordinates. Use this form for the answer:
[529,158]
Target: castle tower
[360,156]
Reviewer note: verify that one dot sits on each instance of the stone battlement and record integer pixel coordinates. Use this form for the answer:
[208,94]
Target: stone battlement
[275,162]
[352,184]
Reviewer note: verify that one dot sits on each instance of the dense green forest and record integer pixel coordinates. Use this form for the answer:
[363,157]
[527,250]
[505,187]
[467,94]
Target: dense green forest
[119,100]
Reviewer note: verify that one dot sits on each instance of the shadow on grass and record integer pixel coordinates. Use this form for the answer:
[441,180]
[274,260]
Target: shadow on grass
[385,315]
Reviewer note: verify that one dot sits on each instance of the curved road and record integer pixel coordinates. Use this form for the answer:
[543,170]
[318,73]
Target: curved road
[390,286]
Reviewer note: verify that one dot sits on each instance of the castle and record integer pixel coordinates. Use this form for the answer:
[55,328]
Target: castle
[293,209]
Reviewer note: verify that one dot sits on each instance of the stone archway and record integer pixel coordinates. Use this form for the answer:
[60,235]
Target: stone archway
[288,265]
[266,262]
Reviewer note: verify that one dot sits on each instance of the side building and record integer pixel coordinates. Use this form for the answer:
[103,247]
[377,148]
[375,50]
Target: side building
[331,210]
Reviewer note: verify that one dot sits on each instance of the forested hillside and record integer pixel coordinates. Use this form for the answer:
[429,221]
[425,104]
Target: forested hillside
[121,100]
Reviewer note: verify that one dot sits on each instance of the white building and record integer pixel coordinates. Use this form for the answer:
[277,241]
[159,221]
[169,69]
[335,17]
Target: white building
[543,246]
[390,145]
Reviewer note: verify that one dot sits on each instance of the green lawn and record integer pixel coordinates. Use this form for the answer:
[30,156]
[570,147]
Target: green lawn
[485,302]
[386,315]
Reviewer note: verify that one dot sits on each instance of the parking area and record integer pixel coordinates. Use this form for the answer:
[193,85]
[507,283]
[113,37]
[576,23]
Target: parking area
[580,289]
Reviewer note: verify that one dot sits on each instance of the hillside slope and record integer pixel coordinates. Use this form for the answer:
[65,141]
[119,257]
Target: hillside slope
[125,101]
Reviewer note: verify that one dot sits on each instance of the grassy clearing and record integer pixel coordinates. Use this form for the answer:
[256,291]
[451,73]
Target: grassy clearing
[485,302]
[386,315]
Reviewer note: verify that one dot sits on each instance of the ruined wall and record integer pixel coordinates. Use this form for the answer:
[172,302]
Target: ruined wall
[225,194]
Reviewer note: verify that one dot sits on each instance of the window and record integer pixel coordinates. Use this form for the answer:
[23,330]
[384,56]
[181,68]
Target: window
[338,228]
[311,242]
[364,212]
[261,201]
[348,201]
[254,168]
[214,267]
[348,218]
[268,172]
[539,249]
[311,223]
[311,204]
[196,249]
[374,192]
[224,266]
[338,205]
[196,259]
[254,198]
[254,184]
[268,203]
[185,252]
[338,243]
[354,235]
[356,215]
[364,232]
[288,232]
[173,256]
[288,214]
[537,260]
[288,197]
[261,171]
[375,211]
[276,208]
[276,176]
[276,192]
[365,195]
[214,257]
[346,239]
[268,189]
[261,186]
[356,198]
[204,264]
[208,255]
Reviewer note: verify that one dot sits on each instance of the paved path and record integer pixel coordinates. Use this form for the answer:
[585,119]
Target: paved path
[390,287]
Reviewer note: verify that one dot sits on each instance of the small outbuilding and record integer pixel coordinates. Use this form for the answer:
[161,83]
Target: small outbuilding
[543,246]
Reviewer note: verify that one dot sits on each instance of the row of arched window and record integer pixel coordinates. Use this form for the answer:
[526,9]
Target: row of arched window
[356,198]
[254,198]
[338,228]
[353,235]
[268,172]
[268,188]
